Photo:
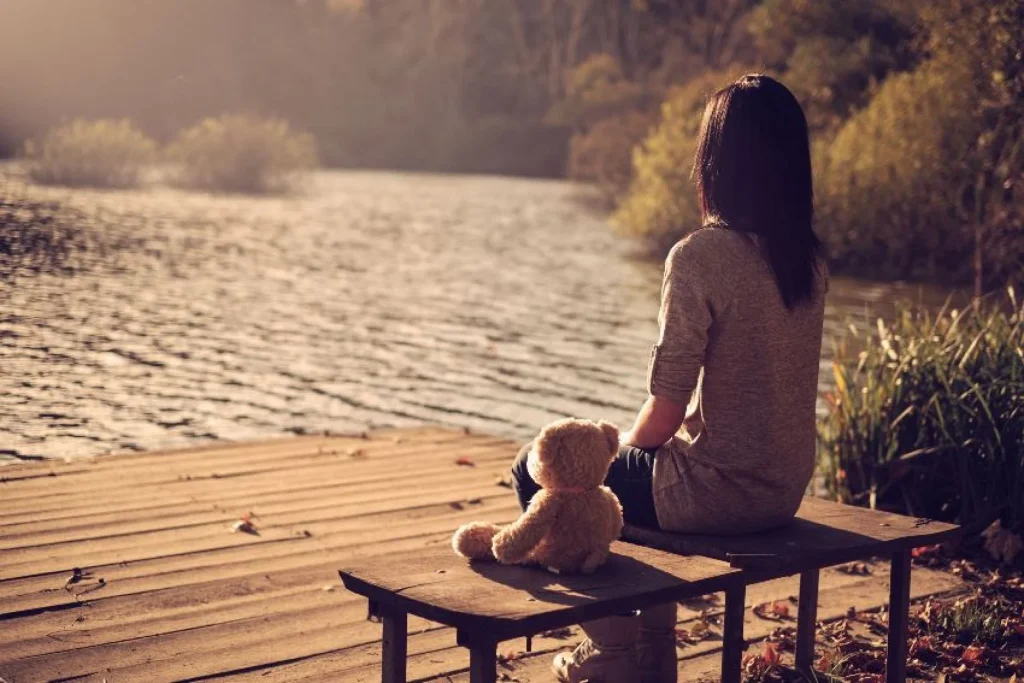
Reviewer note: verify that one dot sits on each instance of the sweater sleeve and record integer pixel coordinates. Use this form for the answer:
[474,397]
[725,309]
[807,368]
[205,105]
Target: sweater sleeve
[688,307]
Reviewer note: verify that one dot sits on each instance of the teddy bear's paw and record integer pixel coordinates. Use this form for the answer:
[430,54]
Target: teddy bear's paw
[474,540]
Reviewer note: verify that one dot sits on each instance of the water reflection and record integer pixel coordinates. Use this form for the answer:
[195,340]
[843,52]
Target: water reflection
[372,299]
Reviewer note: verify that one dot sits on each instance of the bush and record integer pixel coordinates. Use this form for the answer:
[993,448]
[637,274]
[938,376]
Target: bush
[598,89]
[104,153]
[242,154]
[886,183]
[603,155]
[661,206]
[929,417]
[929,171]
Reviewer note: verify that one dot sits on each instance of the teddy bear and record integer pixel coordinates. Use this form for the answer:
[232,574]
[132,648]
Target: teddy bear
[571,522]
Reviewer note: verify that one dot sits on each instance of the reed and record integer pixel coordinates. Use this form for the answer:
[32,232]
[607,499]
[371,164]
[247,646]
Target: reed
[927,415]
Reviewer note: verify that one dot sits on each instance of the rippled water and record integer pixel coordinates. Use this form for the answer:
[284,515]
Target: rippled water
[372,299]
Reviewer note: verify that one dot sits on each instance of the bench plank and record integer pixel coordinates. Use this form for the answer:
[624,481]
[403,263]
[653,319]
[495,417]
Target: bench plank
[507,601]
[822,533]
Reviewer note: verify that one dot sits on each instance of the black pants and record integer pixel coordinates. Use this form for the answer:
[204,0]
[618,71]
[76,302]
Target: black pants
[629,477]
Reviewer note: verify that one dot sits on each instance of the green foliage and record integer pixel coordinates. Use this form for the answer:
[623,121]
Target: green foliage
[597,90]
[930,170]
[102,153]
[830,53]
[610,116]
[929,416]
[885,182]
[972,619]
[661,205]
[240,153]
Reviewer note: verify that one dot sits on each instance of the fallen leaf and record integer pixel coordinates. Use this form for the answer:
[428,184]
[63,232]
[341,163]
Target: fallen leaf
[245,526]
[775,611]
[465,462]
[973,655]
[924,551]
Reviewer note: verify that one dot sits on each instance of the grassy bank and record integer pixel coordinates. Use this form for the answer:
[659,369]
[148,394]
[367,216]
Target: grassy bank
[927,416]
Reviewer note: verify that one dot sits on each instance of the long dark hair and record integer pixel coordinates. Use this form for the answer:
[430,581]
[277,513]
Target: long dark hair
[753,173]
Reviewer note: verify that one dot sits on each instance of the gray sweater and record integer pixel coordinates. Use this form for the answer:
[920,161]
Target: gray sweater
[748,370]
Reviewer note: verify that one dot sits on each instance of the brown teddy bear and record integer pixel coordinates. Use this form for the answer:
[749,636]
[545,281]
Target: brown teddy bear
[570,524]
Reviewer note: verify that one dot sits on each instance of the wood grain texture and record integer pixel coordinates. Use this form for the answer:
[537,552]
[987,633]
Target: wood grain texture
[823,534]
[504,601]
[184,598]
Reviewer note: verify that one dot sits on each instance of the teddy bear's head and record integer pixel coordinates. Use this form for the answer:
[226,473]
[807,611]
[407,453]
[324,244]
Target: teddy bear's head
[573,454]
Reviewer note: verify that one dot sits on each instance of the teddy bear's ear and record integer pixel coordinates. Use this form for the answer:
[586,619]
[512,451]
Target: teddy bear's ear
[611,434]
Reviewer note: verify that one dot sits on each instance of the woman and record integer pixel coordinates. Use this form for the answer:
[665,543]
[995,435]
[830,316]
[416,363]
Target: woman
[725,442]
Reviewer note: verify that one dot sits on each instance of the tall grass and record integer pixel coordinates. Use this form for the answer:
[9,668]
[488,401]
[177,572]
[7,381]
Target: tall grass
[927,415]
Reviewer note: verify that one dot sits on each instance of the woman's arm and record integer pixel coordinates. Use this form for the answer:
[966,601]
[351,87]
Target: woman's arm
[657,421]
[687,311]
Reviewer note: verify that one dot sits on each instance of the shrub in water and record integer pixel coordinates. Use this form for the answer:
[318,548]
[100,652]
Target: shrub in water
[929,417]
[241,153]
[102,153]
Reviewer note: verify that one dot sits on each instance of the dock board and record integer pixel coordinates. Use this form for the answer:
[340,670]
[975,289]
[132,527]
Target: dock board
[165,591]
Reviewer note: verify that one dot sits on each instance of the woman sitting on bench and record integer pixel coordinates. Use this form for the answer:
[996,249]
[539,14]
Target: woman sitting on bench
[725,442]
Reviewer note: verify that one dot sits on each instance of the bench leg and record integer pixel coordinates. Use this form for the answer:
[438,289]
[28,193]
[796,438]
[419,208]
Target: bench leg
[806,621]
[483,659]
[732,633]
[899,616]
[483,663]
[394,645]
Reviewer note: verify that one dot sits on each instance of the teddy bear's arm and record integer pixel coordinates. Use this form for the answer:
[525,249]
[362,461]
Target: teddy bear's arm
[514,543]
[615,515]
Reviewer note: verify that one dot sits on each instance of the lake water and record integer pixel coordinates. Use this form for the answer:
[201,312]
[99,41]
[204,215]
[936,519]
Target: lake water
[370,299]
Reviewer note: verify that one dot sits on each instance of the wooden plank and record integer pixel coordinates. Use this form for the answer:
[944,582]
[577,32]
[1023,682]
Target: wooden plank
[327,454]
[822,533]
[273,511]
[230,452]
[508,601]
[197,608]
[338,474]
[63,557]
[358,538]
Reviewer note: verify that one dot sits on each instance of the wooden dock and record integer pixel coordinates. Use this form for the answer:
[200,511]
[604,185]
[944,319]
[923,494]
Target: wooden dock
[128,568]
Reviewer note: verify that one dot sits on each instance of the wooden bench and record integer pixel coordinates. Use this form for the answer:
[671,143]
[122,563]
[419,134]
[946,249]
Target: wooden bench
[487,603]
[823,534]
